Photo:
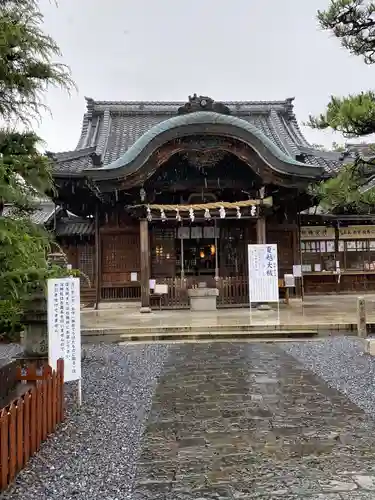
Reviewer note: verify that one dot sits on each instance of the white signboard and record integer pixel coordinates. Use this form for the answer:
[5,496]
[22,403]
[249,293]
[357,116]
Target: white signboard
[161,289]
[289,281]
[297,271]
[263,273]
[64,326]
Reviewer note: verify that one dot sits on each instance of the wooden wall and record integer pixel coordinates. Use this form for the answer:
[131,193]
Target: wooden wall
[286,237]
[80,253]
[120,257]
[119,242]
[234,238]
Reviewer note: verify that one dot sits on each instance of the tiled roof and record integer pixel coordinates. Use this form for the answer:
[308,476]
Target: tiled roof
[42,215]
[110,128]
[234,126]
[73,162]
[75,226]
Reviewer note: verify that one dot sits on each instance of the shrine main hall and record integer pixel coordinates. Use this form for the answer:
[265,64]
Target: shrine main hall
[173,192]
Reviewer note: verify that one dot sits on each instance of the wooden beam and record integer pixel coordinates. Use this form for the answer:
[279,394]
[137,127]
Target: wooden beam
[145,266]
[98,268]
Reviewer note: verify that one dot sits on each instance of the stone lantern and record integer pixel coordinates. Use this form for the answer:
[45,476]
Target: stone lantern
[35,339]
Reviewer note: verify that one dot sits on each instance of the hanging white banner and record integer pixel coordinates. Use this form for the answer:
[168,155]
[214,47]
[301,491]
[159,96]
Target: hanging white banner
[263,273]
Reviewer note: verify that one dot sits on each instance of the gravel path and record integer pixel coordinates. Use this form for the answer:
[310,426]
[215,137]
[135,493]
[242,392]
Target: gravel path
[93,454]
[342,364]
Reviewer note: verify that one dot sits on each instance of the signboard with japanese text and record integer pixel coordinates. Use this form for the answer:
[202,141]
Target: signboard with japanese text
[357,232]
[317,233]
[263,273]
[64,326]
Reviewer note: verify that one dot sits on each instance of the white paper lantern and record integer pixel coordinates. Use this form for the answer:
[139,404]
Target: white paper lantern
[178,216]
[191,214]
[149,215]
[207,214]
[222,213]
[162,215]
[238,213]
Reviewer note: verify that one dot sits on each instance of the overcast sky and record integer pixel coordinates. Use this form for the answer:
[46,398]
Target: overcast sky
[167,50]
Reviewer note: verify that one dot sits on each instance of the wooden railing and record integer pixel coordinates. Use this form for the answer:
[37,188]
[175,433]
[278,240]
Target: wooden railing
[27,421]
[233,292]
[119,293]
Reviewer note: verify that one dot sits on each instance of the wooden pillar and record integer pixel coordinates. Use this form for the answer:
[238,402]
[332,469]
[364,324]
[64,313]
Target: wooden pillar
[297,258]
[216,253]
[261,230]
[361,317]
[145,266]
[98,268]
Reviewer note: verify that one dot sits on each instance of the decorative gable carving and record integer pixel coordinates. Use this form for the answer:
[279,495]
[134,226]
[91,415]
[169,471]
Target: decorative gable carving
[203,103]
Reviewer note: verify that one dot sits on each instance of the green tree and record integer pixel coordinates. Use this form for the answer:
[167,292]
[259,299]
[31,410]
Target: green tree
[27,70]
[353,23]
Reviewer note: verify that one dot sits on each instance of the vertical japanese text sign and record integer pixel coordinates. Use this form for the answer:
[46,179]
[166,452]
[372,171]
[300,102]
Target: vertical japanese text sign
[64,326]
[263,273]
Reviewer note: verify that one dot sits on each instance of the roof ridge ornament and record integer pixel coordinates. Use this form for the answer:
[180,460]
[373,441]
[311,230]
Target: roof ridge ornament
[203,103]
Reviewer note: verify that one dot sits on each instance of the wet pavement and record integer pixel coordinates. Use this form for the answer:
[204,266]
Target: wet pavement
[233,421]
[324,310]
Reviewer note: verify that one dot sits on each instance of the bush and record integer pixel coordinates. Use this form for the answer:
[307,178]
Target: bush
[10,321]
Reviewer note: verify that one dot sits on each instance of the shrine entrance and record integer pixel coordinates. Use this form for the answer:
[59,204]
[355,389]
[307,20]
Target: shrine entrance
[199,258]
[197,251]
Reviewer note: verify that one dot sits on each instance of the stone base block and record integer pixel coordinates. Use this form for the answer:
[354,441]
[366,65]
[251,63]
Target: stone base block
[207,303]
[369,346]
[203,299]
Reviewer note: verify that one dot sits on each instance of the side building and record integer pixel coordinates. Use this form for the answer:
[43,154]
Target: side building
[172,192]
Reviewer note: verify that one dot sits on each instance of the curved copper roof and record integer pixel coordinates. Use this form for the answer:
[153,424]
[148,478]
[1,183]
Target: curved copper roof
[110,129]
[204,123]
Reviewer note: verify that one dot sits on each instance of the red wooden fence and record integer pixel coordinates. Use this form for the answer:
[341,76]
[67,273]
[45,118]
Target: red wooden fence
[27,421]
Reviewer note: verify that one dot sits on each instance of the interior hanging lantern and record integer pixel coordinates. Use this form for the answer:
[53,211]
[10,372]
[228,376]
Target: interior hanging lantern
[162,215]
[149,215]
[253,210]
[178,216]
[222,213]
[191,214]
[207,214]
[238,213]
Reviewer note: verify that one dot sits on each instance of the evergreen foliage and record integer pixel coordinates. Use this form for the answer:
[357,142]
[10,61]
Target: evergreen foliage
[353,23]
[26,71]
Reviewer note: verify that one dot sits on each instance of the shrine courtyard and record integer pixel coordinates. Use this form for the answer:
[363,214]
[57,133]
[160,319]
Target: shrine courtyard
[320,314]
[214,421]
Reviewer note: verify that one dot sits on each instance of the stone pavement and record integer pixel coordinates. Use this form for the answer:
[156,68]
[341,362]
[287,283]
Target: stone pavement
[324,311]
[245,421]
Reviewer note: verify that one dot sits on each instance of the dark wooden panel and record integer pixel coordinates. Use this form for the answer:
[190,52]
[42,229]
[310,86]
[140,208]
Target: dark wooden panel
[120,257]
[285,241]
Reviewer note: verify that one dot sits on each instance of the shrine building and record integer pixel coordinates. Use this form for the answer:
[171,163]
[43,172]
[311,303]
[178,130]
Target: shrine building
[173,192]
